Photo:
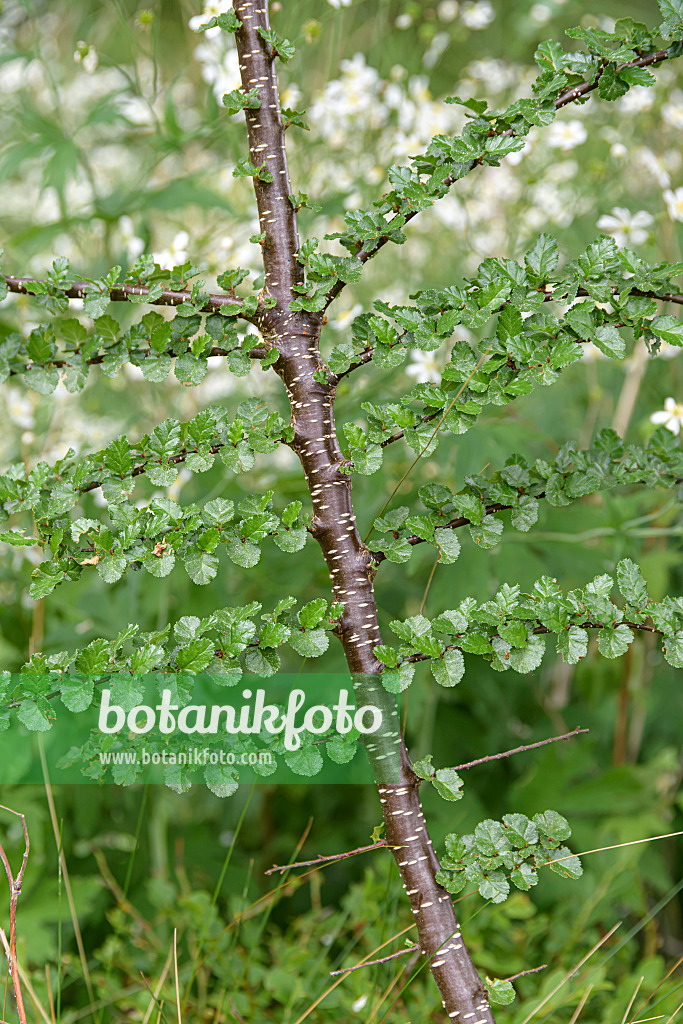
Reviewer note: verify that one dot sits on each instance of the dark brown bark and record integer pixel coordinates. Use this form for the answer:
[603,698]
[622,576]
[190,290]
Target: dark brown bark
[297,336]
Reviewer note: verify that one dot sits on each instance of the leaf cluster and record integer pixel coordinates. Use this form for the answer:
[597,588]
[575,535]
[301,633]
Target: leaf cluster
[520,485]
[510,630]
[511,850]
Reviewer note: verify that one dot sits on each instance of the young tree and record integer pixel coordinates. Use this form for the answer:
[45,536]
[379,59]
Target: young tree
[540,329]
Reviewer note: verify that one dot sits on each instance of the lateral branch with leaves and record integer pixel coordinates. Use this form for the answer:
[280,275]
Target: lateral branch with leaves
[543,314]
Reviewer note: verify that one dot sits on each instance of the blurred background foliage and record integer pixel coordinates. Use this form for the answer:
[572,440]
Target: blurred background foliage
[113,141]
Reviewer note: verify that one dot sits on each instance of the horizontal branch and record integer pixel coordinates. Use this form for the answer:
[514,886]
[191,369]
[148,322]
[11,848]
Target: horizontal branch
[568,96]
[667,297]
[323,859]
[520,750]
[531,970]
[366,355]
[454,524]
[381,960]
[577,91]
[542,630]
[254,353]
[173,460]
[124,292]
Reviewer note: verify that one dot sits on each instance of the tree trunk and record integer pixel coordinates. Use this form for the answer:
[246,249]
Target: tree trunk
[297,336]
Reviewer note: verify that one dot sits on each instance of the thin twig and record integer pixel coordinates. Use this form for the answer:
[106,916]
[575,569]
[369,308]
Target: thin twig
[532,970]
[371,963]
[15,883]
[124,292]
[543,630]
[236,1014]
[519,750]
[322,859]
[568,96]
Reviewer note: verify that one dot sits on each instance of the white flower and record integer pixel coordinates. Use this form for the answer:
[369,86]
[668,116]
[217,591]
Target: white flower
[477,15]
[671,416]
[436,48]
[19,408]
[652,164]
[345,319]
[566,134]
[211,10]
[672,112]
[404,21]
[87,56]
[624,227]
[590,353]
[175,254]
[541,14]
[448,10]
[359,1003]
[133,243]
[674,201]
[638,98]
[423,367]
[618,150]
[339,3]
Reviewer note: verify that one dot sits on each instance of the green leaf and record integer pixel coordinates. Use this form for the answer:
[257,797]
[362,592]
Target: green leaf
[609,341]
[612,643]
[396,680]
[76,694]
[524,876]
[449,545]
[520,830]
[292,539]
[201,566]
[229,22]
[243,552]
[631,583]
[500,992]
[670,328]
[572,644]
[528,658]
[220,780]
[117,457]
[239,100]
[424,769]
[542,259]
[564,863]
[495,887]
[261,662]
[282,48]
[33,716]
[488,534]
[307,760]
[189,369]
[45,579]
[553,826]
[672,12]
[525,513]
[196,656]
[341,749]
[448,670]
[448,784]
[313,613]
[310,644]
[673,649]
